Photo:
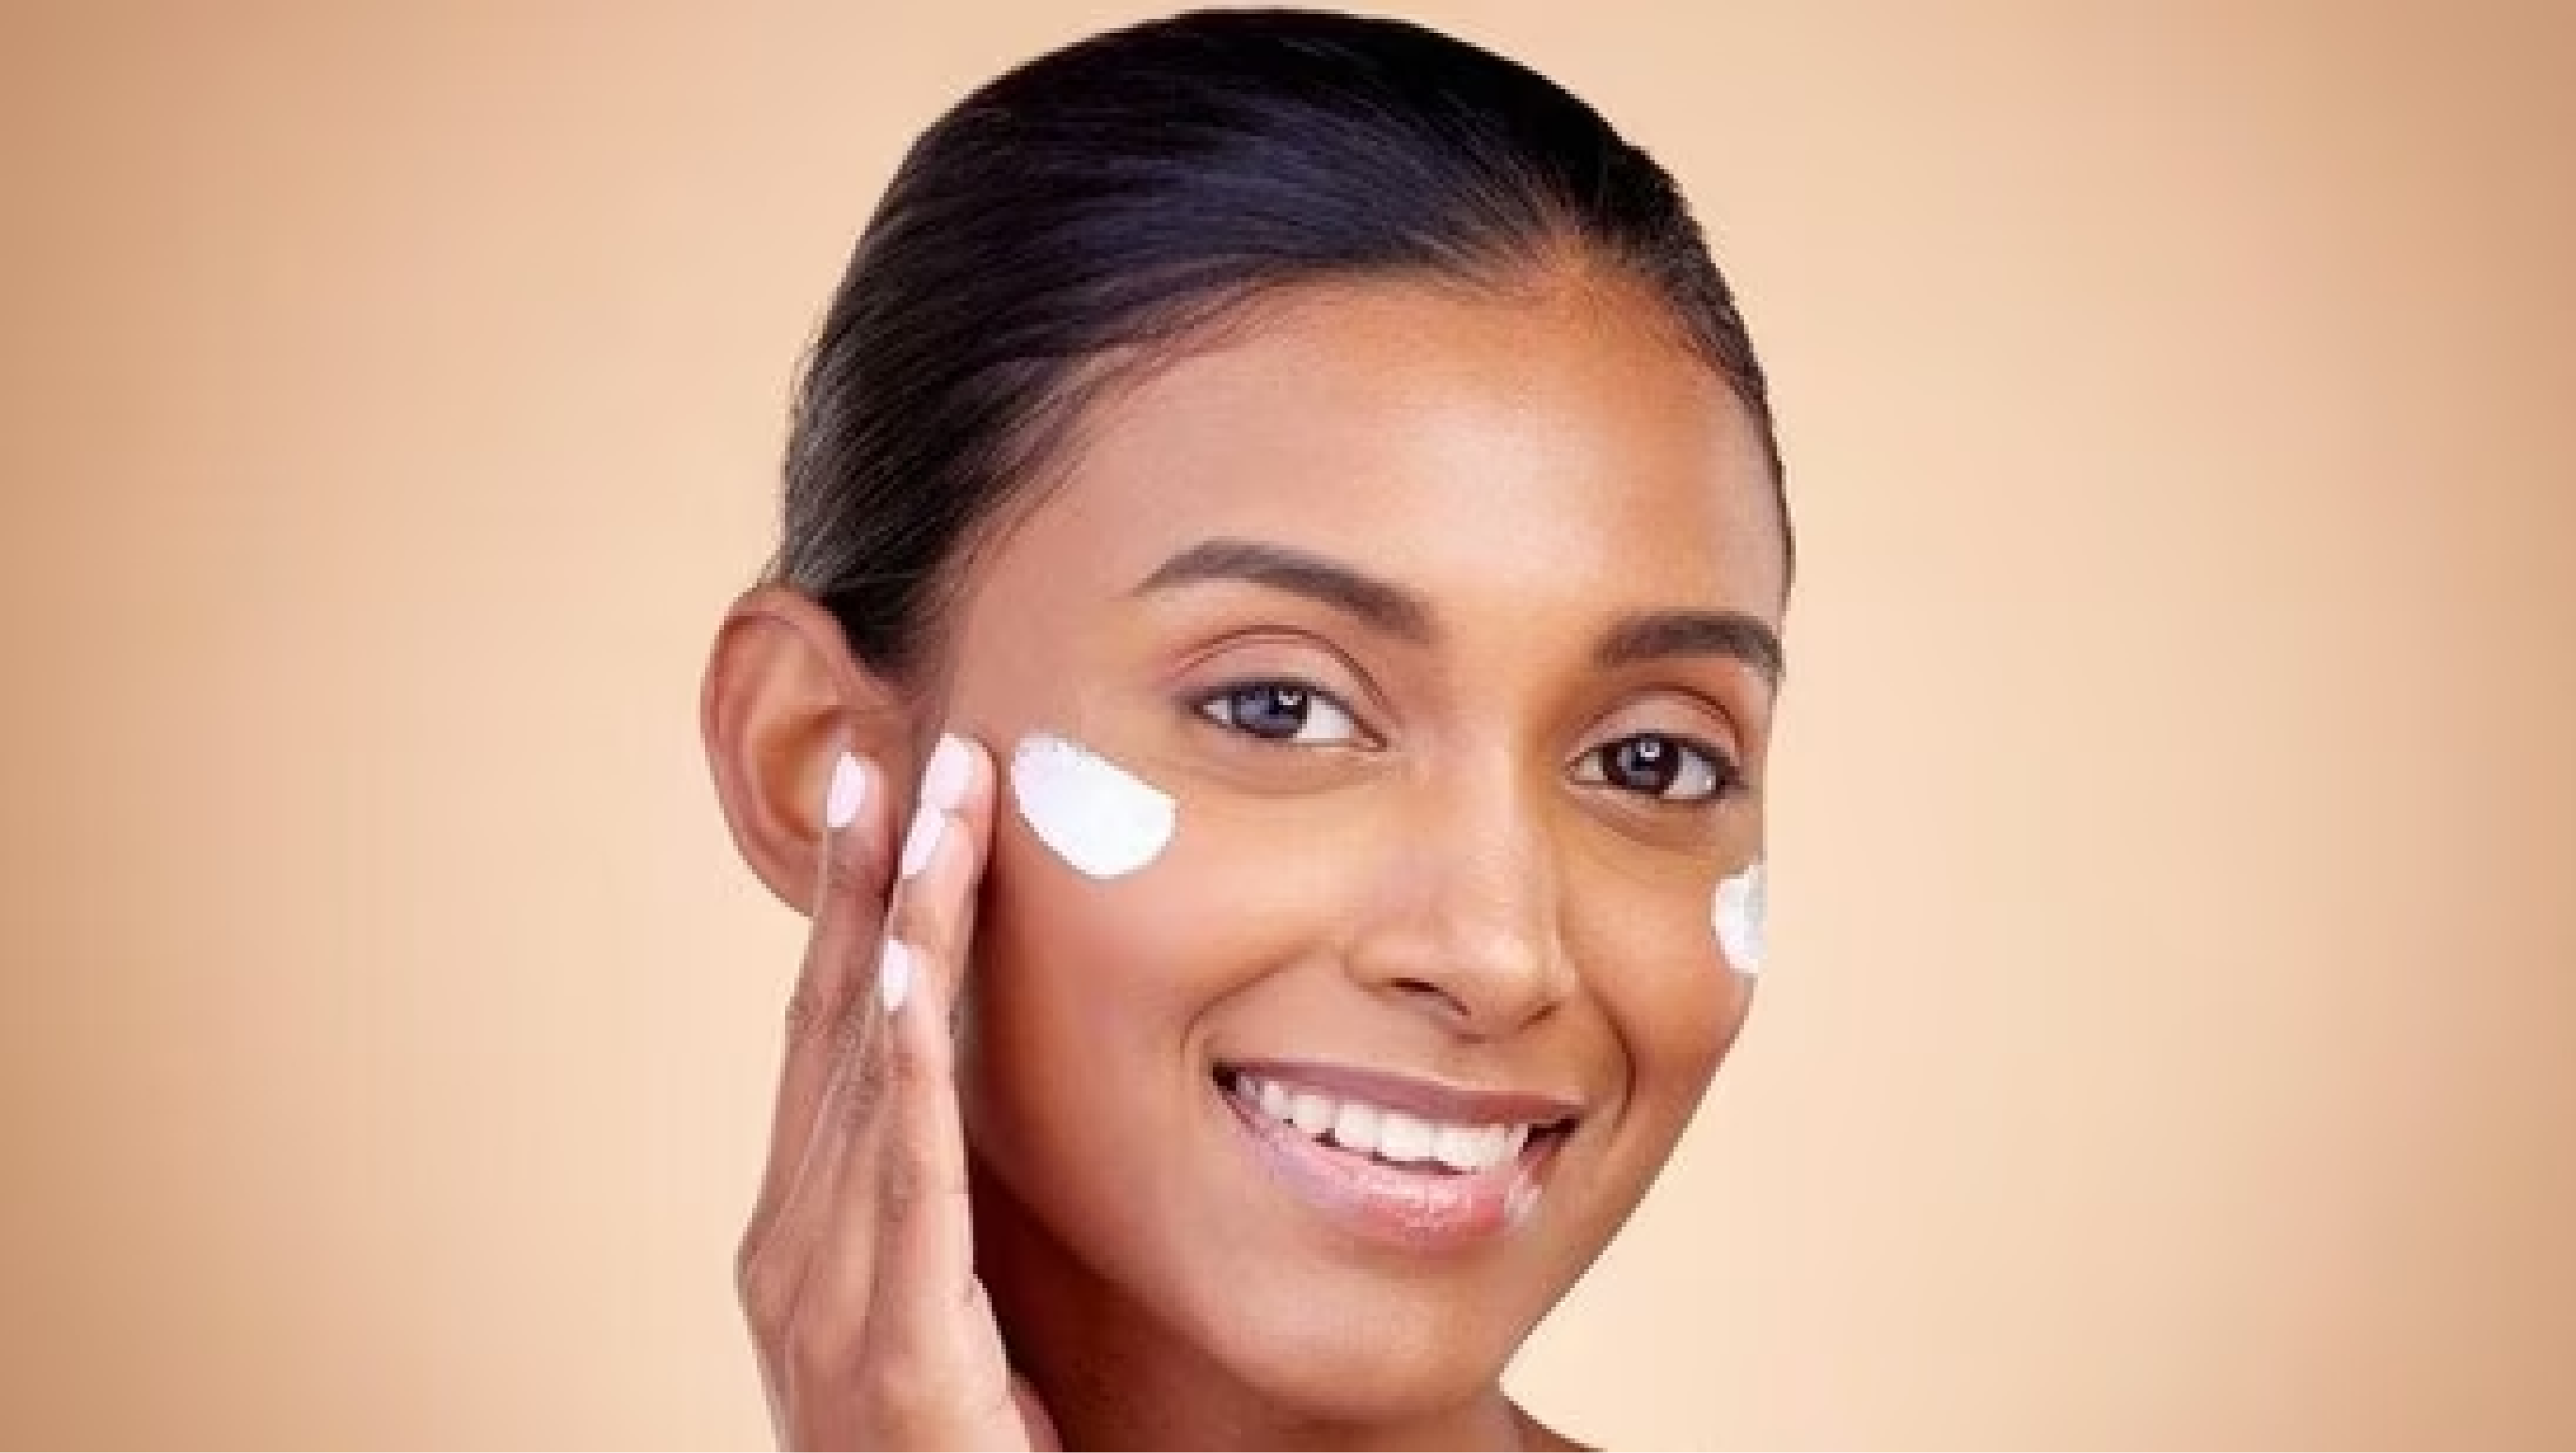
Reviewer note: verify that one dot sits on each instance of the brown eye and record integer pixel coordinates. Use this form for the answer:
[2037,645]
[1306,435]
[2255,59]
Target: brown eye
[1668,768]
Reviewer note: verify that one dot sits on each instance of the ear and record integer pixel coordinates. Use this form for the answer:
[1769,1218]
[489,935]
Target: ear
[781,689]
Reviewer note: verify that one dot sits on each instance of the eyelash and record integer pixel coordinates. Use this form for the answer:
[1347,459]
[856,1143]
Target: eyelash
[1305,692]
[1716,766]
[1724,779]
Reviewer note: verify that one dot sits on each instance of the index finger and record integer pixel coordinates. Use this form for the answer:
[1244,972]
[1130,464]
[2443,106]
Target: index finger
[853,868]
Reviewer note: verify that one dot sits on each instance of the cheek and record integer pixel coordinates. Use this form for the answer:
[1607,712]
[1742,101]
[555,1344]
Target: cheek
[1078,980]
[1077,1018]
[1187,900]
[1666,964]
[1090,1012]
[1079,954]
[1144,955]
[1112,919]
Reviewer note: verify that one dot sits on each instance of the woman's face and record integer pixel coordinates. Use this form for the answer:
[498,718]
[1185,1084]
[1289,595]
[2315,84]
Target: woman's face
[1459,691]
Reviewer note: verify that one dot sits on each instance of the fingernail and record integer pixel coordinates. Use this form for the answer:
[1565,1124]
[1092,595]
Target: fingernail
[943,782]
[894,974]
[849,789]
[921,839]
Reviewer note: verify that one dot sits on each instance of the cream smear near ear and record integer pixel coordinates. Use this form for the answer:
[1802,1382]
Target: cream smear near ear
[1101,819]
[1737,915]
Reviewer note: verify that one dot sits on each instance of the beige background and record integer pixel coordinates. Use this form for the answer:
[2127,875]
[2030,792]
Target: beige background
[2170,1039]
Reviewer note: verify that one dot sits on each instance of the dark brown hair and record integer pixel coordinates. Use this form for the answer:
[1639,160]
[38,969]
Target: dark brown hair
[1085,212]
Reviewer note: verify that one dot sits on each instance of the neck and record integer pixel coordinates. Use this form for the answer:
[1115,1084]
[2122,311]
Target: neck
[1112,1375]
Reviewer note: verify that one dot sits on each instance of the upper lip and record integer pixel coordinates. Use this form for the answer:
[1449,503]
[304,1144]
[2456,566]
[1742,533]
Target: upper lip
[1429,1099]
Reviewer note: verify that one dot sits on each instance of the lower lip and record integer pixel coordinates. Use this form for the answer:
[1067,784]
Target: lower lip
[1424,1211]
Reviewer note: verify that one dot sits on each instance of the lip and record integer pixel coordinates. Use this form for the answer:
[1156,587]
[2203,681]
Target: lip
[1427,1099]
[1417,1211]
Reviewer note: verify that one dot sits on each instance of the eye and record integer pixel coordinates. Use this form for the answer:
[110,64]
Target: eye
[1281,711]
[1669,768]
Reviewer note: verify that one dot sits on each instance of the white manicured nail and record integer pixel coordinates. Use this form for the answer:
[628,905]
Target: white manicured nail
[943,782]
[894,974]
[849,790]
[921,839]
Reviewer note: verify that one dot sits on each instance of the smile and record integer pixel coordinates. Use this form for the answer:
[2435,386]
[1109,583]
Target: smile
[1392,1136]
[1395,1161]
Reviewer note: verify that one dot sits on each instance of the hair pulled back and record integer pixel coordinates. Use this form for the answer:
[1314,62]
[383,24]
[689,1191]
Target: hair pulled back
[1087,212]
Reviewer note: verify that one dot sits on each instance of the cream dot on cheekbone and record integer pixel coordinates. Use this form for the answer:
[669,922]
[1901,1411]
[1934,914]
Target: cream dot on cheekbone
[1103,820]
[1737,914]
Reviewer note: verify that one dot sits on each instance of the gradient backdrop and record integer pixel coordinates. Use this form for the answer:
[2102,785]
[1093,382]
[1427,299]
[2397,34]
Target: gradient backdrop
[2172,1031]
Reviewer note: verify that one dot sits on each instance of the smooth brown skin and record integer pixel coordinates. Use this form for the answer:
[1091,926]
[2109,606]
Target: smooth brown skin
[1453,895]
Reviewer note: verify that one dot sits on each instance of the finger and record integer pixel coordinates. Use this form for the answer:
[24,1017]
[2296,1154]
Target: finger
[831,1216]
[852,869]
[943,860]
[821,1254]
[815,1269]
[900,1191]
[926,1315]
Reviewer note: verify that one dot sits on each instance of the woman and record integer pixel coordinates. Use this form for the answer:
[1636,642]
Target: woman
[1263,697]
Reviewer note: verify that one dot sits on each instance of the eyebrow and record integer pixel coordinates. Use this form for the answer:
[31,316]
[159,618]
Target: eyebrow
[1382,605]
[1658,635]
[1393,610]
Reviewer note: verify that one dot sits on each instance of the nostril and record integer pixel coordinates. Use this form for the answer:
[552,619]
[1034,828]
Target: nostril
[1476,974]
[1427,989]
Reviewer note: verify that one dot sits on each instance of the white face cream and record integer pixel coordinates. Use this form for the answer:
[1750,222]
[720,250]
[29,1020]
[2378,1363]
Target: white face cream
[1737,915]
[1096,816]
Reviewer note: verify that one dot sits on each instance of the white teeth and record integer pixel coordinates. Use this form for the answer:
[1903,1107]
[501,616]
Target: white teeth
[1312,1114]
[1391,1135]
[1355,1127]
[1460,1148]
[1403,1139]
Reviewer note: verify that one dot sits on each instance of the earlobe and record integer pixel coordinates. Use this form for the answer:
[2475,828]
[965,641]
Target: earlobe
[781,689]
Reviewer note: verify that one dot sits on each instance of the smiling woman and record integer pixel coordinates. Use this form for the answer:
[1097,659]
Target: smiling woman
[1286,509]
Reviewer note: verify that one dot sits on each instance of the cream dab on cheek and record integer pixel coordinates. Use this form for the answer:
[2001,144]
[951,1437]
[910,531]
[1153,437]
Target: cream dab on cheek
[1095,815]
[1737,915]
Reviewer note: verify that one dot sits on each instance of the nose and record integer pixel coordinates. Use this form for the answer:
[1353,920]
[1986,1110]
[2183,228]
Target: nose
[1464,925]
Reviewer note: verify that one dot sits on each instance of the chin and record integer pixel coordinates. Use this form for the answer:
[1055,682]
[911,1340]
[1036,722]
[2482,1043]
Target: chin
[1360,1357]
[1331,1334]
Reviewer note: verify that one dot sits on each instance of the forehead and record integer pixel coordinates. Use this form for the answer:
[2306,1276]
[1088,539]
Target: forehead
[1559,445]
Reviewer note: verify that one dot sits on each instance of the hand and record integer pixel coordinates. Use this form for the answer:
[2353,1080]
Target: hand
[857,1272]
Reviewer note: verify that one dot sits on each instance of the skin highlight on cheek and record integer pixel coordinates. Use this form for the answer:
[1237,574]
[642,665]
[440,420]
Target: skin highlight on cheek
[1737,914]
[1101,819]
